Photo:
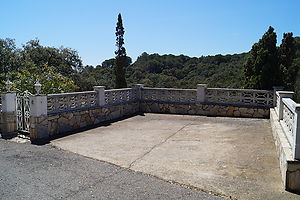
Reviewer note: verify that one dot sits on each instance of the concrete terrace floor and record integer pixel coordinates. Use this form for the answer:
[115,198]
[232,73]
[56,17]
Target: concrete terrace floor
[231,157]
[44,172]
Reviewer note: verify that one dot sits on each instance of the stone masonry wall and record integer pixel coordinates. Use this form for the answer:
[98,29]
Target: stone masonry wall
[289,167]
[55,124]
[205,109]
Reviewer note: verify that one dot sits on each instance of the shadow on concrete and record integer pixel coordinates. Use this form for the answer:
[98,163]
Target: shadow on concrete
[8,136]
[101,124]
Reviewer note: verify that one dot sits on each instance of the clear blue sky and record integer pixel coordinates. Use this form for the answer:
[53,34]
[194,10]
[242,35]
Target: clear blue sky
[189,27]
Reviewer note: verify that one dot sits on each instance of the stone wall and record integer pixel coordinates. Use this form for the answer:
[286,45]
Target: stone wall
[54,124]
[205,109]
[61,122]
[59,113]
[289,167]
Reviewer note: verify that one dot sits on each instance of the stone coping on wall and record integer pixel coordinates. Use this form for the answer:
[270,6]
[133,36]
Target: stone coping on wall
[289,167]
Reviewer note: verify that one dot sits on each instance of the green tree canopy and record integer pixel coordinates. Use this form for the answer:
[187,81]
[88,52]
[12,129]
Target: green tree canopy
[287,54]
[10,59]
[261,68]
[52,82]
[66,61]
[53,67]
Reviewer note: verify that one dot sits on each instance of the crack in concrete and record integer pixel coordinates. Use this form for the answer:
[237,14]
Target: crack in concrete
[159,144]
[188,140]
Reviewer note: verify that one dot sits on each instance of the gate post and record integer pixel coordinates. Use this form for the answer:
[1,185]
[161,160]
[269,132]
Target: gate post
[8,114]
[38,117]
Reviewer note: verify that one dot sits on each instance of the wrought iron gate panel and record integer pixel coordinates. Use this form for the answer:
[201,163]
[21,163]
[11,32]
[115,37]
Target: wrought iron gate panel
[23,111]
[19,111]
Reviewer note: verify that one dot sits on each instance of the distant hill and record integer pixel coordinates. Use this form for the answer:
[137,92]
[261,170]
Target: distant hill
[186,72]
[154,70]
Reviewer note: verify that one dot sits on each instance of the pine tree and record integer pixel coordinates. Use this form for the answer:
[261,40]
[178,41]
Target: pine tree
[261,68]
[121,58]
[287,53]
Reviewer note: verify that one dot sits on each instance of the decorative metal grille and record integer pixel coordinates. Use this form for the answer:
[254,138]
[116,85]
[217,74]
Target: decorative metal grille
[23,111]
[240,96]
[169,95]
[117,96]
[69,101]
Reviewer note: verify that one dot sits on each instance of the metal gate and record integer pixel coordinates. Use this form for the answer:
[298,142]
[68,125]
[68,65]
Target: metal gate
[23,111]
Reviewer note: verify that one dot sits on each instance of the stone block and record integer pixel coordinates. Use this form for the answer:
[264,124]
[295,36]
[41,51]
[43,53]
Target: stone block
[164,108]
[9,117]
[230,111]
[43,120]
[236,113]
[192,111]
[214,110]
[222,110]
[70,116]
[115,115]
[42,132]
[63,128]
[53,128]
[206,107]
[261,111]
[154,107]
[250,111]
[8,124]
[63,121]
[256,114]
[53,117]
[293,177]
[243,111]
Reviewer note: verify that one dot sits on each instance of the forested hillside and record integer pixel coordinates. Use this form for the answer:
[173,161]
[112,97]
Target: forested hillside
[60,69]
[154,70]
[185,72]
[171,71]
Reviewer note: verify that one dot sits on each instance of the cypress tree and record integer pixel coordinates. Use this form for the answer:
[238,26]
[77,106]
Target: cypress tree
[261,68]
[121,58]
[287,53]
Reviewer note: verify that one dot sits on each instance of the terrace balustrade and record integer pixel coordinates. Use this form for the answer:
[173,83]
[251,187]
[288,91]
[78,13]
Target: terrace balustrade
[286,109]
